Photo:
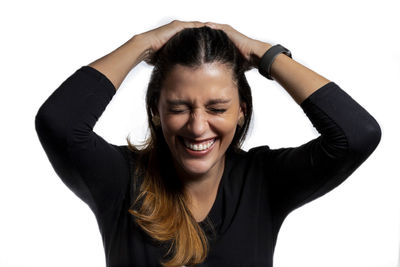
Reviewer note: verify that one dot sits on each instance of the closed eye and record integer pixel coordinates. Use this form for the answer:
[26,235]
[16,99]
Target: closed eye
[216,110]
[177,111]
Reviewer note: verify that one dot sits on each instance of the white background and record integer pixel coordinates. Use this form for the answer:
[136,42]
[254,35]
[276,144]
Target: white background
[353,43]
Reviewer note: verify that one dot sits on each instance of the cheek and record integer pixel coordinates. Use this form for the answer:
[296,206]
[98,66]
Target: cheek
[171,125]
[224,125]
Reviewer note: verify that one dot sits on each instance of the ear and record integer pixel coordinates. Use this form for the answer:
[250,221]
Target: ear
[242,110]
[154,112]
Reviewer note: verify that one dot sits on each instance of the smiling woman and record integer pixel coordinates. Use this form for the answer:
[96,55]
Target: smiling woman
[201,102]
[190,195]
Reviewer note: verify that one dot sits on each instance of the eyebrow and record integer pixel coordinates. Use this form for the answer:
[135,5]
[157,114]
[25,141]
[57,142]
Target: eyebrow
[177,102]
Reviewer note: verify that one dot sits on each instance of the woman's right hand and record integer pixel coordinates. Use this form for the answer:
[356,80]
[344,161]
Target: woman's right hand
[159,36]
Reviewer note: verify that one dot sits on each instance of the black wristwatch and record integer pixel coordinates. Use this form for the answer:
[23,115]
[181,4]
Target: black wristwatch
[267,59]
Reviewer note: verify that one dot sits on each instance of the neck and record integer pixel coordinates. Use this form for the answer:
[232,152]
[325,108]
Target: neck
[201,187]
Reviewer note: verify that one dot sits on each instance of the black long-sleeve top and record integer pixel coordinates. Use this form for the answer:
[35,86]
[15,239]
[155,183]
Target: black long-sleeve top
[258,189]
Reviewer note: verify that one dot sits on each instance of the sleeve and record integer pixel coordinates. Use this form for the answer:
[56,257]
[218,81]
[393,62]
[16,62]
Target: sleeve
[348,136]
[96,171]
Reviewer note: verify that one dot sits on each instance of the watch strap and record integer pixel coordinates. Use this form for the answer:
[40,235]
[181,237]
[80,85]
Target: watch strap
[268,58]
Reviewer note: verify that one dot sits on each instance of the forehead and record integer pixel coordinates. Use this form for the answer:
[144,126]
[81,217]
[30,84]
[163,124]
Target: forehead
[210,80]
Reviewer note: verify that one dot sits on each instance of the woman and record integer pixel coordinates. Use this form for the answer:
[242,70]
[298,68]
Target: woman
[191,196]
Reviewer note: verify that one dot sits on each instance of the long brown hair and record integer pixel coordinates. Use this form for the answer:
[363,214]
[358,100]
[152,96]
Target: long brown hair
[160,208]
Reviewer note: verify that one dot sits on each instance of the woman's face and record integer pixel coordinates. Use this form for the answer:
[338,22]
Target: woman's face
[199,110]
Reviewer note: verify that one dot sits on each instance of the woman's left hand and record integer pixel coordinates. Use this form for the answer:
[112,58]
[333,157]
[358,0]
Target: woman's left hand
[250,48]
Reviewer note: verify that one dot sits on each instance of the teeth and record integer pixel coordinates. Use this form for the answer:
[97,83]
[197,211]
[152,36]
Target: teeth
[198,147]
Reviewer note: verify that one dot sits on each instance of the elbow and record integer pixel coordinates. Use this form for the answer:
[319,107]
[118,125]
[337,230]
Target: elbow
[374,134]
[42,127]
[366,141]
[41,121]
[47,124]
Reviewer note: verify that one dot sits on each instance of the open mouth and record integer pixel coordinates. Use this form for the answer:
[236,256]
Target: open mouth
[198,147]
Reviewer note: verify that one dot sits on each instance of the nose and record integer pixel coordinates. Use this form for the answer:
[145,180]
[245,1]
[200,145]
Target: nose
[197,124]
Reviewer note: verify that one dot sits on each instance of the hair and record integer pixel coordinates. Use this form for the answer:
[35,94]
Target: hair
[160,208]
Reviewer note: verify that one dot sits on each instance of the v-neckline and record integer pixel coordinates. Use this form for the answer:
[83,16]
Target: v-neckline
[215,213]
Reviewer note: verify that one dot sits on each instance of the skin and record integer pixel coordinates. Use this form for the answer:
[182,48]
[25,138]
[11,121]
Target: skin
[298,80]
[199,120]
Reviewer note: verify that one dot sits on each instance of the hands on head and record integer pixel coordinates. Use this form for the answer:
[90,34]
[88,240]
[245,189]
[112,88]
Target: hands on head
[250,48]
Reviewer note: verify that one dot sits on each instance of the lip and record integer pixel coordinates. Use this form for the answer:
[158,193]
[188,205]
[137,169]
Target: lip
[198,153]
[198,141]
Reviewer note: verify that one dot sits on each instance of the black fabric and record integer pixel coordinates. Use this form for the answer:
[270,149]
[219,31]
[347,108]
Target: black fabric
[259,188]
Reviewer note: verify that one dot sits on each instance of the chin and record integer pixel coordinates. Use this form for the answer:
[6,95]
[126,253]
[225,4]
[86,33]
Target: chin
[196,168]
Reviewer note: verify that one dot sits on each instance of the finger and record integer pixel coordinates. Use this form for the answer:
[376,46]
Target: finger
[196,24]
[199,23]
[218,26]
[212,25]
[189,24]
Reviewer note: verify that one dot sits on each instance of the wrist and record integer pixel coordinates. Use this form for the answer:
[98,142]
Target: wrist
[261,48]
[142,39]
[143,44]
[258,51]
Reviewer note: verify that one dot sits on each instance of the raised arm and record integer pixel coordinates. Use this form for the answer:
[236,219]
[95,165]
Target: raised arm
[95,170]
[349,134]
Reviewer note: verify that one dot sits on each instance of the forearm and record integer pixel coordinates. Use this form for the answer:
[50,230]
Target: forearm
[298,80]
[117,64]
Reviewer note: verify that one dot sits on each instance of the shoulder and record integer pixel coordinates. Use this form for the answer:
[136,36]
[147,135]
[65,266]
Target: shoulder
[252,152]
[254,156]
